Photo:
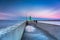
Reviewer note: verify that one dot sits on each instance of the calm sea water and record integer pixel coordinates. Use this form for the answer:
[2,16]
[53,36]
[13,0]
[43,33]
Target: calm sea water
[51,22]
[7,23]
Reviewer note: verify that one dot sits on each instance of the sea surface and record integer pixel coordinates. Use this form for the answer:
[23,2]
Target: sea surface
[8,23]
[51,22]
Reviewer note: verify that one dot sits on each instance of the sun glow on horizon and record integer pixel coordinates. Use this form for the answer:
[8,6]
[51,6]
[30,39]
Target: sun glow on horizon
[46,13]
[22,9]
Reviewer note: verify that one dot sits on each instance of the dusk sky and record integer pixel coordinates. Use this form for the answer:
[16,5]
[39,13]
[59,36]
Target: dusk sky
[14,10]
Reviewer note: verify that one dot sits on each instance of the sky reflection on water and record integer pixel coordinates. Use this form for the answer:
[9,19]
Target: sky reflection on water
[34,33]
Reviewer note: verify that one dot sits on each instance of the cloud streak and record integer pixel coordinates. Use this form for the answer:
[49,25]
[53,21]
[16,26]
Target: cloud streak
[46,13]
[39,9]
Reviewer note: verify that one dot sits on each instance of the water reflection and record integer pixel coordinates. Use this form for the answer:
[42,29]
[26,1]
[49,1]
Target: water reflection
[33,33]
[29,28]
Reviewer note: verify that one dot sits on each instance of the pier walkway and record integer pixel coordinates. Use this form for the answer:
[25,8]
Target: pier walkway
[32,31]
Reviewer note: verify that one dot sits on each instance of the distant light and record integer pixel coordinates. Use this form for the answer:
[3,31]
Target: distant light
[30,28]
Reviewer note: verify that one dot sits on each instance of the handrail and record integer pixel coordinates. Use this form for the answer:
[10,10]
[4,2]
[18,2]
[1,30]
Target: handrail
[9,32]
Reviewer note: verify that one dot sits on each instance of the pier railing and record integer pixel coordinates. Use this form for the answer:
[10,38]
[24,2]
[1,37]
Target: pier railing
[12,33]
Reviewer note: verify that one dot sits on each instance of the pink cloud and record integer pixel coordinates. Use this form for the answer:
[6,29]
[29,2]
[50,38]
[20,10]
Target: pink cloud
[4,16]
[45,13]
[9,16]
